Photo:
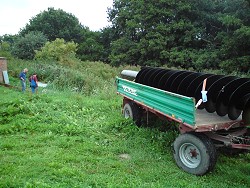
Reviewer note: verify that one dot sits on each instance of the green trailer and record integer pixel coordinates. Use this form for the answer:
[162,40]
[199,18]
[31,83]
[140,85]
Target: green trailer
[201,133]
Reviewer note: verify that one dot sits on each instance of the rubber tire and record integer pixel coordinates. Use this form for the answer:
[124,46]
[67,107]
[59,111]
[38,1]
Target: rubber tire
[206,150]
[132,110]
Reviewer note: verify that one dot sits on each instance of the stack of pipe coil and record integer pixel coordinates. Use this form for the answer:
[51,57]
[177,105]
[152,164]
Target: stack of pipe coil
[227,95]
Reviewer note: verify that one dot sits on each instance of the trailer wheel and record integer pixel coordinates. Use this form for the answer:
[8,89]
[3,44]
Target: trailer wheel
[194,153]
[132,110]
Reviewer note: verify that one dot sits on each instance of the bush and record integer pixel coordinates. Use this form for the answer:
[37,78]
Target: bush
[24,47]
[5,50]
[59,51]
[85,77]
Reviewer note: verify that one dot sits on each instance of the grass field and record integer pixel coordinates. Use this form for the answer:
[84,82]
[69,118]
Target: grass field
[72,134]
[64,139]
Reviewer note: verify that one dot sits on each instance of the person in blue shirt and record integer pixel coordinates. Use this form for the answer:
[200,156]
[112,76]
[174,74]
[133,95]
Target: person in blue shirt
[22,77]
[33,83]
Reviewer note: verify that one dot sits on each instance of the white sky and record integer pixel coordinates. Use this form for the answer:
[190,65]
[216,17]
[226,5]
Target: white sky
[15,14]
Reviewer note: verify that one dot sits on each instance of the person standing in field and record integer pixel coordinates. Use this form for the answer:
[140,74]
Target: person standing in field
[22,77]
[33,83]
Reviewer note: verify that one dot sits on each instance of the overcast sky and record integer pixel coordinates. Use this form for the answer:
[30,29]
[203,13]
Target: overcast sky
[15,14]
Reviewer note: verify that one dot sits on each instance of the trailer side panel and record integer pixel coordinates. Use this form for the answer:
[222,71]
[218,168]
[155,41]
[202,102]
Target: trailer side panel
[177,106]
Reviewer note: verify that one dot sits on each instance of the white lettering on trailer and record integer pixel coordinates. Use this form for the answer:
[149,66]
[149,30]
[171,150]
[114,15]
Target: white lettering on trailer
[130,90]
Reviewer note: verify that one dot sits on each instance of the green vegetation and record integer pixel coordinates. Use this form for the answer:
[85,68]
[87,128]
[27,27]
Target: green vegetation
[64,138]
[72,133]
[78,76]
[204,34]
[58,50]
[55,24]
[25,47]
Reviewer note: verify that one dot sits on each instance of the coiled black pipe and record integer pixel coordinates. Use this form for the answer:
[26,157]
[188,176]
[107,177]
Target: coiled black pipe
[226,94]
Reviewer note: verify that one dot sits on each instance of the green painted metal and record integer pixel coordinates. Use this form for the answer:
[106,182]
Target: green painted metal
[177,106]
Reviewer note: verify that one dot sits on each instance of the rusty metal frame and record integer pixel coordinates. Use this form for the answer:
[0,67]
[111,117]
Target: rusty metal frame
[184,127]
[229,139]
[209,130]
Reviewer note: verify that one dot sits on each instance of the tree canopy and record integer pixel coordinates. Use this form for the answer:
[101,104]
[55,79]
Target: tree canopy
[24,47]
[55,24]
[199,34]
[204,34]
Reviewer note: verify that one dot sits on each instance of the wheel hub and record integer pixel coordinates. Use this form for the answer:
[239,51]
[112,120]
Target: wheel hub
[190,155]
[193,153]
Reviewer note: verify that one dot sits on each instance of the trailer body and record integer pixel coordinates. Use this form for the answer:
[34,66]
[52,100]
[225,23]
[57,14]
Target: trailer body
[175,107]
[194,124]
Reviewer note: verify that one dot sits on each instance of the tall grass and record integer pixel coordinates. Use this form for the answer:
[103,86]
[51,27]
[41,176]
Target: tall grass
[85,77]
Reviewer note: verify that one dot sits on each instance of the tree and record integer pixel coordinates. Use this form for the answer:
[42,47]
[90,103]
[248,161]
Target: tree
[24,47]
[6,45]
[198,34]
[151,29]
[234,36]
[55,24]
[5,50]
[90,48]
[107,35]
[9,39]
[58,51]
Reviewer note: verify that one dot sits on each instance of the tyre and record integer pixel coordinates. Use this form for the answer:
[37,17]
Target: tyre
[132,110]
[195,153]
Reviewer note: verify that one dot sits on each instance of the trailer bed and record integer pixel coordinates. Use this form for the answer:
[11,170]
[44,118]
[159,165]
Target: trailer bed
[175,107]
[203,118]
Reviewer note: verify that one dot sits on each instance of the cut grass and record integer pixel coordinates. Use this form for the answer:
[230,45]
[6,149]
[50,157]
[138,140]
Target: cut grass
[60,139]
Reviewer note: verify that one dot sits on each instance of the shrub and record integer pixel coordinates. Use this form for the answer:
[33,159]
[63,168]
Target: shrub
[24,47]
[59,51]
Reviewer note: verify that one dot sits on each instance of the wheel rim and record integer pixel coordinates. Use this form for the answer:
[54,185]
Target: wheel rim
[190,155]
[127,113]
